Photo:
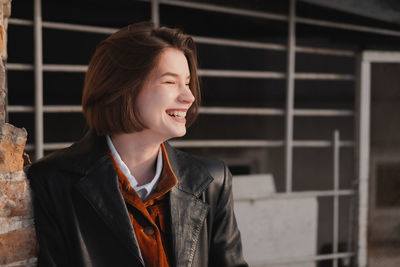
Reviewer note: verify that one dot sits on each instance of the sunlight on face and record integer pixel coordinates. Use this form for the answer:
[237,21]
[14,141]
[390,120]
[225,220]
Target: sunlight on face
[166,97]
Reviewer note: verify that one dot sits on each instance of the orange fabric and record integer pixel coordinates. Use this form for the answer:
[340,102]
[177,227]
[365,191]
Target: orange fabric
[150,218]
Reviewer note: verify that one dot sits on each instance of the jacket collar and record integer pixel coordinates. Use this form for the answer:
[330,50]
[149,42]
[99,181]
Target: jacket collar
[99,186]
[92,150]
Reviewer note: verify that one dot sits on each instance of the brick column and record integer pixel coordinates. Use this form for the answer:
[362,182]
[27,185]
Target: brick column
[18,245]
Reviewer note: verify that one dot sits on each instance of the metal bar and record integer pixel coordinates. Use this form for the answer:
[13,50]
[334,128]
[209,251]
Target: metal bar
[312,258]
[346,26]
[336,147]
[21,22]
[241,111]
[78,27]
[256,143]
[49,146]
[362,155]
[65,26]
[19,66]
[238,43]
[206,110]
[20,109]
[323,112]
[202,72]
[224,9]
[64,68]
[229,143]
[320,143]
[301,194]
[62,109]
[271,46]
[38,79]
[323,76]
[290,95]
[325,51]
[382,56]
[155,13]
[241,74]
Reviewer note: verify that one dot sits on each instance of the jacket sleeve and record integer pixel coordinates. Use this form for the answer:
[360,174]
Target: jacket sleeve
[226,245]
[52,246]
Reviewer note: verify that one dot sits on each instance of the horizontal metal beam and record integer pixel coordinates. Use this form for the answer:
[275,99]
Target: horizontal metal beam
[323,112]
[226,10]
[325,51]
[241,111]
[300,194]
[19,66]
[347,26]
[64,68]
[306,259]
[203,110]
[20,22]
[256,143]
[323,76]
[201,72]
[272,46]
[20,109]
[78,27]
[272,75]
[238,43]
[226,143]
[242,74]
[65,26]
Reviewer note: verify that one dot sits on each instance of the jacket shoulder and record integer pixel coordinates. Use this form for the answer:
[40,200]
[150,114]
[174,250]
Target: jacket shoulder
[201,172]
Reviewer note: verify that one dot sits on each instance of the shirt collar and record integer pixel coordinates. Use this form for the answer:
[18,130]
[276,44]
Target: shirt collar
[132,180]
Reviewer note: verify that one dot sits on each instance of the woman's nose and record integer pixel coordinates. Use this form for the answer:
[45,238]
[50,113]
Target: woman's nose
[186,96]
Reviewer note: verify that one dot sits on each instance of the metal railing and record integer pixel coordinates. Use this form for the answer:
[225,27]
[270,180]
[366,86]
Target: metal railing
[289,112]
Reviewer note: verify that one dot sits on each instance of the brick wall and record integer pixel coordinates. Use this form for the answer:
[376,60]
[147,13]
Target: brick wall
[18,245]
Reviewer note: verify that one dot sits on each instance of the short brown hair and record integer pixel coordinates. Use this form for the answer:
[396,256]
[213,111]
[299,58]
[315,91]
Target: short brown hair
[119,69]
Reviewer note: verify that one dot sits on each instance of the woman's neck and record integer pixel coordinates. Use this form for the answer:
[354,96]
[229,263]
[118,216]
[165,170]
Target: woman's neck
[139,152]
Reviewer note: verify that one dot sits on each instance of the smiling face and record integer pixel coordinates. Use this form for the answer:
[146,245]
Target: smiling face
[163,102]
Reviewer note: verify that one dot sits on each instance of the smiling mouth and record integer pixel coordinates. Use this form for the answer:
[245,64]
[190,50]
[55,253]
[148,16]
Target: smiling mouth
[177,114]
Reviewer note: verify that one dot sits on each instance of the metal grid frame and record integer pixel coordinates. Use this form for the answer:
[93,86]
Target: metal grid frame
[365,59]
[39,109]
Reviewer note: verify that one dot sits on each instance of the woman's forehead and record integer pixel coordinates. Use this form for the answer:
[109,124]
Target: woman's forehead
[172,62]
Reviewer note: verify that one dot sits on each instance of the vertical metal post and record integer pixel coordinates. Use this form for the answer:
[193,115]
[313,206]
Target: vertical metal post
[155,13]
[336,154]
[38,79]
[362,155]
[290,95]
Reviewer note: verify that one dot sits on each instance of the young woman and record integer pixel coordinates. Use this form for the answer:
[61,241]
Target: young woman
[122,196]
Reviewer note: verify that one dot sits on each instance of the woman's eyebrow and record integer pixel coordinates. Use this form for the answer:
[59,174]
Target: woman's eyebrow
[173,74]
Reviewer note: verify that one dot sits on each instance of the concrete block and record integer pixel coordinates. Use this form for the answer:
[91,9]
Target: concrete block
[253,186]
[274,229]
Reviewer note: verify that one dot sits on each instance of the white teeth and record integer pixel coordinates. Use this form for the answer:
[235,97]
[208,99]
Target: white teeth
[180,114]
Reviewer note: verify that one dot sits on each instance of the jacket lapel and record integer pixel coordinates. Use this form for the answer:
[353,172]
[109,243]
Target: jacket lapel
[188,212]
[100,187]
[187,217]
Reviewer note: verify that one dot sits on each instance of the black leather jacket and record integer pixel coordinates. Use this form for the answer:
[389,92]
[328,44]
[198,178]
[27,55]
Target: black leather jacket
[81,218]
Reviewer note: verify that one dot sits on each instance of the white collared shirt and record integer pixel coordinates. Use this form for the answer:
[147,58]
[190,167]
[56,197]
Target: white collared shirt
[145,190]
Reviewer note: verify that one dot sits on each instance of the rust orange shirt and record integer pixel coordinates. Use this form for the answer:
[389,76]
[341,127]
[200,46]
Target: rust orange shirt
[150,217]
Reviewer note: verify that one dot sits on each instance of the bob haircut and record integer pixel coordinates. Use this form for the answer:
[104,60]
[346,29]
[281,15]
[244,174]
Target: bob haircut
[119,70]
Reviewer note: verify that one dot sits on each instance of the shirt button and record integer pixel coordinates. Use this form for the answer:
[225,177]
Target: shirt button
[149,230]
